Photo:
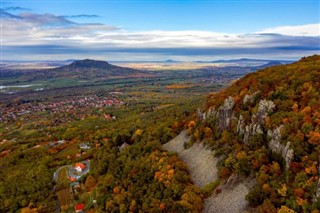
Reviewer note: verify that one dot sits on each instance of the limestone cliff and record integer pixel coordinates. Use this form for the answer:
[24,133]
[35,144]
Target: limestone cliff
[284,150]
[274,110]
[225,114]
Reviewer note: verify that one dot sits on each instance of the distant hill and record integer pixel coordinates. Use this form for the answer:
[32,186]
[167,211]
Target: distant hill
[266,125]
[270,64]
[93,68]
[80,69]
[246,61]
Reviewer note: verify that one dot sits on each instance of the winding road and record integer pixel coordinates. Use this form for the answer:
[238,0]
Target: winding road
[71,172]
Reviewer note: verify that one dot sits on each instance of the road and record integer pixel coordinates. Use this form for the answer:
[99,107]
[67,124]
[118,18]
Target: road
[78,175]
[71,173]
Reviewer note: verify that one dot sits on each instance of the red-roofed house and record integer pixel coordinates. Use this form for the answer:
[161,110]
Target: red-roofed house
[80,207]
[79,167]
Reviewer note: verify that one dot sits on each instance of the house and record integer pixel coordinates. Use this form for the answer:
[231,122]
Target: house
[61,141]
[79,167]
[79,208]
[84,146]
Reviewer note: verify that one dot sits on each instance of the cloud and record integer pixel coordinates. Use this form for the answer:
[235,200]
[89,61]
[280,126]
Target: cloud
[300,30]
[45,19]
[47,35]
[16,9]
[7,15]
[82,16]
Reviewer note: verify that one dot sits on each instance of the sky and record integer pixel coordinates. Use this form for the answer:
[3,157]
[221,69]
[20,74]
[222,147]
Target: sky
[159,30]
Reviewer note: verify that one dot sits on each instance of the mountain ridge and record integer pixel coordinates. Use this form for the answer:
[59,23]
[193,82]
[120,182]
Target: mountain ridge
[267,125]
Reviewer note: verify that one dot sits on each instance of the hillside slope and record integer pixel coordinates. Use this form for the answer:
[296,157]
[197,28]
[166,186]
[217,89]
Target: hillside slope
[267,126]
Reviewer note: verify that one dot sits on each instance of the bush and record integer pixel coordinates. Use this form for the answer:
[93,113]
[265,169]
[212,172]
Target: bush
[210,187]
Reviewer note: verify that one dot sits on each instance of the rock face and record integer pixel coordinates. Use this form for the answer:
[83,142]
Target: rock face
[240,125]
[225,114]
[264,108]
[274,144]
[205,115]
[251,130]
[248,99]
[257,120]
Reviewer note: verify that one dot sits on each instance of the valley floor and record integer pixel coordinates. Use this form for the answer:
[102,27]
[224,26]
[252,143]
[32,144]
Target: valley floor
[202,166]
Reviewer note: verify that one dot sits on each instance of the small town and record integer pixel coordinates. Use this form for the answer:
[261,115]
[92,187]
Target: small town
[13,111]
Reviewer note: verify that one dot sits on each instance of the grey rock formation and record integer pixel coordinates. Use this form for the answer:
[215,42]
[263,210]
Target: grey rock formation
[249,98]
[257,120]
[205,115]
[251,130]
[274,144]
[264,108]
[225,114]
[240,125]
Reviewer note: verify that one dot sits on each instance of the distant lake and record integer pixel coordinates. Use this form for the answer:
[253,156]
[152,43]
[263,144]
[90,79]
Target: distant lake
[19,86]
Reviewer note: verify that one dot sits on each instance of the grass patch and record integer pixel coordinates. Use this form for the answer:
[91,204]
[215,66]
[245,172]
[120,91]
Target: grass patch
[62,178]
[210,187]
[70,150]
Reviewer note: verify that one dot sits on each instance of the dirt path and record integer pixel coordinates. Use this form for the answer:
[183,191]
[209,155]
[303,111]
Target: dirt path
[202,166]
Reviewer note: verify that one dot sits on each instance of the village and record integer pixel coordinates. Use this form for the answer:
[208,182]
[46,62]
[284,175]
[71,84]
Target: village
[14,111]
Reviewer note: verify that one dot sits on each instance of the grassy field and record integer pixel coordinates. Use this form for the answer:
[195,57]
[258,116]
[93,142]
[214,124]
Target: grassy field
[63,175]
[69,151]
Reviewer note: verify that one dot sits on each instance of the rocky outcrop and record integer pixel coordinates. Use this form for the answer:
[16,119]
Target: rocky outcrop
[264,108]
[274,144]
[251,130]
[205,115]
[248,99]
[240,125]
[257,120]
[225,114]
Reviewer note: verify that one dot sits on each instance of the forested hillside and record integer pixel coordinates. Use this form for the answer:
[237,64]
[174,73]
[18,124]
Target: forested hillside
[267,127]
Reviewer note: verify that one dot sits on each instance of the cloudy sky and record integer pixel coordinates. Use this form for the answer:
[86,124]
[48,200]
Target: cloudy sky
[159,30]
